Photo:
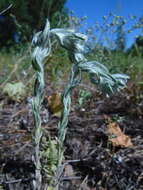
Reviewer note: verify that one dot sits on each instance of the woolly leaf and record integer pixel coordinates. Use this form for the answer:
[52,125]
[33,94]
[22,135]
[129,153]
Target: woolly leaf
[99,75]
[41,45]
[68,39]
[121,78]
[73,42]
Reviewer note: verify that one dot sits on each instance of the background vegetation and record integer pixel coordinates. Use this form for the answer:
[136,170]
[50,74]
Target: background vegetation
[106,44]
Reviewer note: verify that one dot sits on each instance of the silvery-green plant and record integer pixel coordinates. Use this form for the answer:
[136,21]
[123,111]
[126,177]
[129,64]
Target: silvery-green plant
[99,75]
[41,51]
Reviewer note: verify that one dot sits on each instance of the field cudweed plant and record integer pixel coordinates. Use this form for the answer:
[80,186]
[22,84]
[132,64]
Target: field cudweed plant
[99,75]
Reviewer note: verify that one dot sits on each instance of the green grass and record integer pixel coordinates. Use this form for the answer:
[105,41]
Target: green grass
[17,67]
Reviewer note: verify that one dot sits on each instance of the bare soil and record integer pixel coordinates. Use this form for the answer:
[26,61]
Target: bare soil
[95,163]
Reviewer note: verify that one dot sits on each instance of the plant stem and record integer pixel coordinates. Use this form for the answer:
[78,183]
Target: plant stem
[41,51]
[66,100]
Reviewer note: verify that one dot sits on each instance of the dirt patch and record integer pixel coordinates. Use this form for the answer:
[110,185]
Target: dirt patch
[96,163]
